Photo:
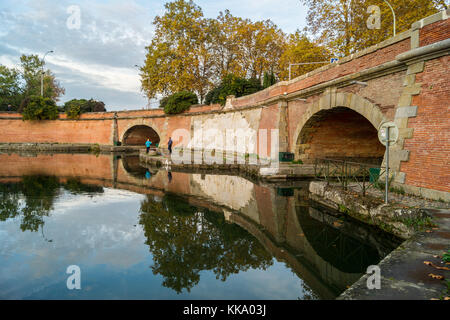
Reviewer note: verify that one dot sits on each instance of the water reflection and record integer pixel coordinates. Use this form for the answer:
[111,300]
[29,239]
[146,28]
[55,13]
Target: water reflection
[192,228]
[185,241]
[32,198]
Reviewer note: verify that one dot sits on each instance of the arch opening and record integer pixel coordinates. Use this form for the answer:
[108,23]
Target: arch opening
[138,135]
[339,133]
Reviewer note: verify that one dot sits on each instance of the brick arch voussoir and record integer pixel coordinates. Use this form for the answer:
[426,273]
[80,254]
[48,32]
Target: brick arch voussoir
[142,122]
[364,107]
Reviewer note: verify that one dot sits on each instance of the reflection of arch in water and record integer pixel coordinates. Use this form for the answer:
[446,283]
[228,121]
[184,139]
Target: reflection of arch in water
[132,166]
[137,136]
[342,251]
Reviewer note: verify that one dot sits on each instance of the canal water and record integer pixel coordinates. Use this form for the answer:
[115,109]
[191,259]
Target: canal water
[138,233]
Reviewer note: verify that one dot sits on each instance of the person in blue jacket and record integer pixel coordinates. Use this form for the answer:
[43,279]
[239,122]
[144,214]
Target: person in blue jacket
[148,143]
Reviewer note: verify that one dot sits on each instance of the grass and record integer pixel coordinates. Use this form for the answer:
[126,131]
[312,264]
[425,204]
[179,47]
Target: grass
[343,209]
[398,190]
[95,149]
[419,223]
[297,162]
[446,257]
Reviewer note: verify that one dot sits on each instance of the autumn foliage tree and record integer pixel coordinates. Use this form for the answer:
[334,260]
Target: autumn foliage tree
[192,53]
[341,25]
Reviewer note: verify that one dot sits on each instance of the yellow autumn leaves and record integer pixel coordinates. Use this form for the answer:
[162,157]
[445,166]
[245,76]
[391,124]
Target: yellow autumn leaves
[193,53]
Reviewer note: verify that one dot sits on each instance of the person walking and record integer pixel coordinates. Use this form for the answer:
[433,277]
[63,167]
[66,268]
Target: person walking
[169,145]
[148,143]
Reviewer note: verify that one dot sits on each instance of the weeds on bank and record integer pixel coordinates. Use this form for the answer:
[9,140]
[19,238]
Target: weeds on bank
[419,223]
[95,149]
[446,257]
[397,190]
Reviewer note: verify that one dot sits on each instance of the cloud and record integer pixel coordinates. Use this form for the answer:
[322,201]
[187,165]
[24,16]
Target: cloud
[97,60]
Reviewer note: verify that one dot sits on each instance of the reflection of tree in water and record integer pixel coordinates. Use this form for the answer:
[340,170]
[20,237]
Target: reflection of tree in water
[38,194]
[185,241]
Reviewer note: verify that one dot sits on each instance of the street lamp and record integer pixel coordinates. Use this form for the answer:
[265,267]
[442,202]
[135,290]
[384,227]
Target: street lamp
[393,13]
[42,72]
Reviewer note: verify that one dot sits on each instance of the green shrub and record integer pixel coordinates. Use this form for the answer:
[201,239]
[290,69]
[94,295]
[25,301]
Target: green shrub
[180,102]
[73,112]
[75,107]
[446,256]
[232,85]
[163,102]
[269,80]
[39,108]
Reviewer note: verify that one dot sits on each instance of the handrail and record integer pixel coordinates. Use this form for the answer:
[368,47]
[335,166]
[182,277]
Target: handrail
[348,172]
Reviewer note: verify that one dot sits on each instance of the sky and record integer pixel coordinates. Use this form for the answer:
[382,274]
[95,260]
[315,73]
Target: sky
[97,43]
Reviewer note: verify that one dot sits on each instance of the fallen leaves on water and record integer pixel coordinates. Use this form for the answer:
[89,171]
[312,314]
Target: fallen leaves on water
[429,263]
[436,276]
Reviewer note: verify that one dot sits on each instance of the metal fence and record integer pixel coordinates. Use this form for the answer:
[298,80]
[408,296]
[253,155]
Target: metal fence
[349,174]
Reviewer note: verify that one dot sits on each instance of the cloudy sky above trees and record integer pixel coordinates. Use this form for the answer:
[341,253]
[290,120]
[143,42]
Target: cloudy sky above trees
[97,59]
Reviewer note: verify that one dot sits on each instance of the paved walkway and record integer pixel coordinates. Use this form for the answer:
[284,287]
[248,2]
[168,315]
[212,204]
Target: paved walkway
[411,271]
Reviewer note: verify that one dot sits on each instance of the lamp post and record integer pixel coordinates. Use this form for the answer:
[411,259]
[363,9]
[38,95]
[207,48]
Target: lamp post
[42,72]
[393,13]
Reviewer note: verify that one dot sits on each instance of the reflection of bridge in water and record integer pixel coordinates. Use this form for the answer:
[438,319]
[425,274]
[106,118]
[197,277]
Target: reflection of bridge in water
[327,252]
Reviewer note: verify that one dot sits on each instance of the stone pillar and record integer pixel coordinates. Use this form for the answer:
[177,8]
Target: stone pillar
[115,133]
[283,127]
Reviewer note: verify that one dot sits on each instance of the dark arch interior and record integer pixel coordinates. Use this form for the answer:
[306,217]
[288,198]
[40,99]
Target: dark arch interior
[340,133]
[343,251]
[138,135]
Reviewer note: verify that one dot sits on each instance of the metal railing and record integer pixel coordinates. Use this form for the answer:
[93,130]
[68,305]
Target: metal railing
[349,174]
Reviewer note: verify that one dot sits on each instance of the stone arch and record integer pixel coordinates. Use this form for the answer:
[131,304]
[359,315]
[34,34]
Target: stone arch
[139,123]
[136,135]
[348,106]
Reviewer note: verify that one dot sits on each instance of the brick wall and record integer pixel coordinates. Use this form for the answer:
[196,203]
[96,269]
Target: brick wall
[429,160]
[57,131]
[342,134]
[434,32]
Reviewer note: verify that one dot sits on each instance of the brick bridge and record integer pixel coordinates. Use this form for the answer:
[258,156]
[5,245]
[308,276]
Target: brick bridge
[331,112]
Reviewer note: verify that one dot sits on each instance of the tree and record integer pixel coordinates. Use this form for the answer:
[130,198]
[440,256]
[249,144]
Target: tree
[10,89]
[39,108]
[32,68]
[300,49]
[269,80]
[39,194]
[341,24]
[179,57]
[185,240]
[261,45]
[75,107]
[189,52]
[179,102]
[17,86]
[232,85]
